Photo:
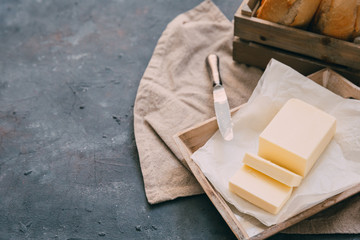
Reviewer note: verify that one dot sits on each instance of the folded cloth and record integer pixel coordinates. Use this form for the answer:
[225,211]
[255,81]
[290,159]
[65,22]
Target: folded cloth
[175,93]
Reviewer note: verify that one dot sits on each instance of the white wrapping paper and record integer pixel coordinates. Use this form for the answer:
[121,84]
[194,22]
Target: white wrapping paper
[337,169]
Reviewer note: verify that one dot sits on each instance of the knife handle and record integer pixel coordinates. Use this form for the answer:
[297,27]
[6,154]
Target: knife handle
[212,64]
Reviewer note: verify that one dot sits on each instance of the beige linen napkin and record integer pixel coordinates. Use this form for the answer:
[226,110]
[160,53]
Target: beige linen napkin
[175,93]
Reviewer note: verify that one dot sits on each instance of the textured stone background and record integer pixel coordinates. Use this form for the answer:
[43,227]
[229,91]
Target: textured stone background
[69,72]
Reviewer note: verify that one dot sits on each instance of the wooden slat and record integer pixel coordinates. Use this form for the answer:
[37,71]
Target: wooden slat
[204,131]
[245,9]
[248,8]
[336,83]
[188,143]
[259,55]
[324,48]
[252,4]
[193,138]
[213,195]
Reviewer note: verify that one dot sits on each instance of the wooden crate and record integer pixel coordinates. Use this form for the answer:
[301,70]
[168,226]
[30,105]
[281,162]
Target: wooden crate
[195,137]
[257,40]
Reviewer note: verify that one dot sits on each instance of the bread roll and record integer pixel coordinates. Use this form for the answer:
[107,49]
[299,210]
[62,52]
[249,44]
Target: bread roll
[296,13]
[336,18]
[357,22]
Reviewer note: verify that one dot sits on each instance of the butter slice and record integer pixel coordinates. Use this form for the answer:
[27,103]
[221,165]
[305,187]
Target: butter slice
[272,170]
[259,189]
[297,136]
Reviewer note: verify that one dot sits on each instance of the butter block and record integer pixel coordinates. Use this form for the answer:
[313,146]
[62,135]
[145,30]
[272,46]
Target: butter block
[297,136]
[272,170]
[259,189]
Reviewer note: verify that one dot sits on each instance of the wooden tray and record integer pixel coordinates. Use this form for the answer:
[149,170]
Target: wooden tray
[247,227]
[298,48]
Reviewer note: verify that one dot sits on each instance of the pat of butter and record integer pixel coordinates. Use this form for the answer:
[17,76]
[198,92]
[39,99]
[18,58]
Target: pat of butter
[259,189]
[272,170]
[297,136]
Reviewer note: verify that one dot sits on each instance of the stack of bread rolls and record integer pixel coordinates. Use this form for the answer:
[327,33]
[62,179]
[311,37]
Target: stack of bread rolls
[336,18]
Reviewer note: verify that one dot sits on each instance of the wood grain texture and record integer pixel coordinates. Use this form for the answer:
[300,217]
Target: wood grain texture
[259,55]
[326,49]
[336,83]
[248,8]
[195,137]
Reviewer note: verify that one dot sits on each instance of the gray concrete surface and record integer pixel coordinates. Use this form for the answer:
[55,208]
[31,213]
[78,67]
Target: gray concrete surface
[69,169]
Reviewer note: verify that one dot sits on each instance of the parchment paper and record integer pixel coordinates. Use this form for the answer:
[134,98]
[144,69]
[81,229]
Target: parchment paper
[337,169]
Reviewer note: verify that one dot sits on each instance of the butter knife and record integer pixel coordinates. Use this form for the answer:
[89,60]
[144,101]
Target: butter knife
[221,104]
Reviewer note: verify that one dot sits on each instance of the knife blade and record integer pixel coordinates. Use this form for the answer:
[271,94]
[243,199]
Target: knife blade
[221,104]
